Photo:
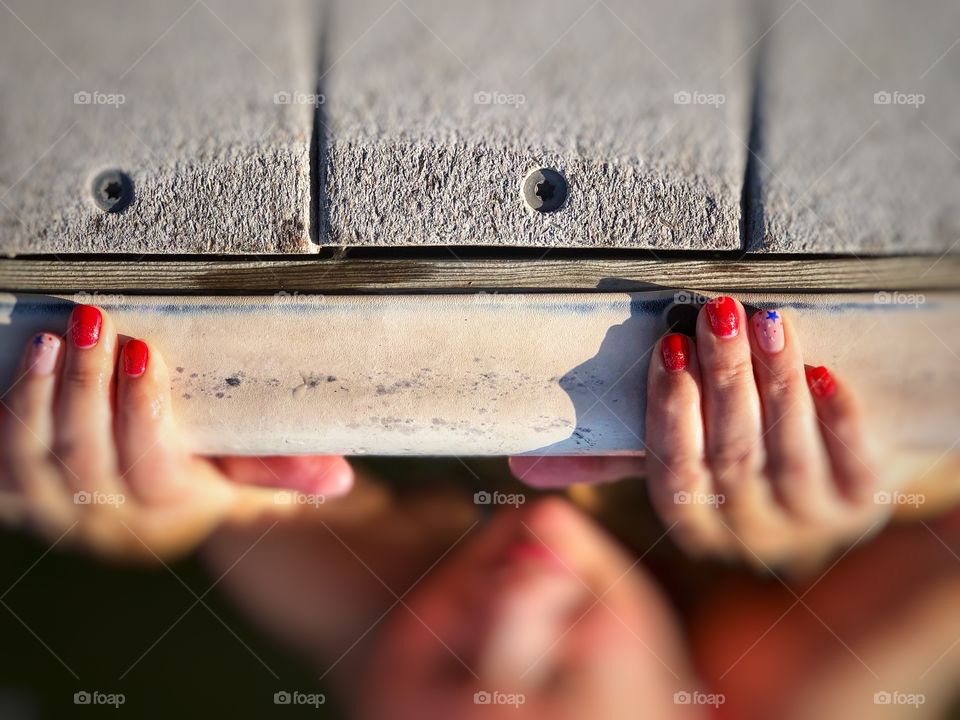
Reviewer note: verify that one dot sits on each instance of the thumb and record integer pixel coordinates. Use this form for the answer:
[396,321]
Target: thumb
[327,475]
[558,471]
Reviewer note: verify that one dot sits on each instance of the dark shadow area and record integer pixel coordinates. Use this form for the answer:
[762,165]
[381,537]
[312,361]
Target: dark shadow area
[319,155]
[72,624]
[621,361]
[753,225]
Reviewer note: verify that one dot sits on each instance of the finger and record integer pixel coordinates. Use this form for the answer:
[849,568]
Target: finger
[678,478]
[843,434]
[151,460]
[731,404]
[796,458]
[84,441]
[559,471]
[27,429]
[324,476]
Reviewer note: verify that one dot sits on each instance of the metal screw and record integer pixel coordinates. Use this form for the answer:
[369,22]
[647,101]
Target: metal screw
[112,190]
[545,190]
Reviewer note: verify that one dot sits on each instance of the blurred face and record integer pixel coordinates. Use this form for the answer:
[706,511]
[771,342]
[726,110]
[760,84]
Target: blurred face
[539,615]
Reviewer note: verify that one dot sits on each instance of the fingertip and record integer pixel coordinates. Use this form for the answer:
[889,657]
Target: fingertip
[329,476]
[821,382]
[722,317]
[41,354]
[675,353]
[134,358]
[560,472]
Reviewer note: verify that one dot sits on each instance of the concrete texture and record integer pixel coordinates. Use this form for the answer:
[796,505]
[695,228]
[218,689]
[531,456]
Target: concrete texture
[839,172]
[217,165]
[486,374]
[437,110]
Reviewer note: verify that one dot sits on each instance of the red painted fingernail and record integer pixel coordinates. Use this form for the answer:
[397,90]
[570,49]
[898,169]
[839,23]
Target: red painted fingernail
[85,324]
[675,349]
[723,316]
[135,356]
[821,382]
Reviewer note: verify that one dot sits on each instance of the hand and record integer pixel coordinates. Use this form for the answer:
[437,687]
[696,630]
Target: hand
[90,454]
[749,452]
[881,621]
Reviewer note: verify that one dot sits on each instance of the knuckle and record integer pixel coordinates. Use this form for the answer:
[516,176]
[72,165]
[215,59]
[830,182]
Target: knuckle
[784,384]
[679,473]
[80,377]
[736,460]
[791,471]
[728,373]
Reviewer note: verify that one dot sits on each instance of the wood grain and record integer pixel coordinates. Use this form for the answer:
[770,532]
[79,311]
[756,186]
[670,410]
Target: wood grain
[472,275]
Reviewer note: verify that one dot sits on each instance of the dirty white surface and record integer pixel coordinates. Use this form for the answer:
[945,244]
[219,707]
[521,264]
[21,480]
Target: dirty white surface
[437,110]
[860,147]
[486,374]
[178,94]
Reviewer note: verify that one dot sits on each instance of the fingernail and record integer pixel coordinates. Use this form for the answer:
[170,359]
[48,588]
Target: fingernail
[42,358]
[768,327]
[821,382]
[723,316]
[675,349]
[85,324]
[135,356]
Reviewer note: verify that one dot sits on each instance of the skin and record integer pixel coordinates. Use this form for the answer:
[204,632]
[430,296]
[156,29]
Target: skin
[882,619]
[89,430]
[512,606]
[778,475]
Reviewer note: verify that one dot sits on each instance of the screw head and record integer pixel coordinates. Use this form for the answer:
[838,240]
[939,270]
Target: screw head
[112,190]
[545,190]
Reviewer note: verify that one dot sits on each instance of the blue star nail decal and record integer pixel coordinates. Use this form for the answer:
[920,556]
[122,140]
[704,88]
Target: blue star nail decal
[772,315]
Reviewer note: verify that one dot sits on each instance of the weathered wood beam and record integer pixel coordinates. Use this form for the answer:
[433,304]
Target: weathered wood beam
[260,276]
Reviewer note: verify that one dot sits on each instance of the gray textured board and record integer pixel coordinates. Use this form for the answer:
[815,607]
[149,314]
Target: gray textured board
[218,165]
[859,145]
[437,109]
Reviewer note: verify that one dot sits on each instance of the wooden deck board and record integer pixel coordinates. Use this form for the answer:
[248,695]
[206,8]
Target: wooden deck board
[217,165]
[438,109]
[473,275]
[838,171]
